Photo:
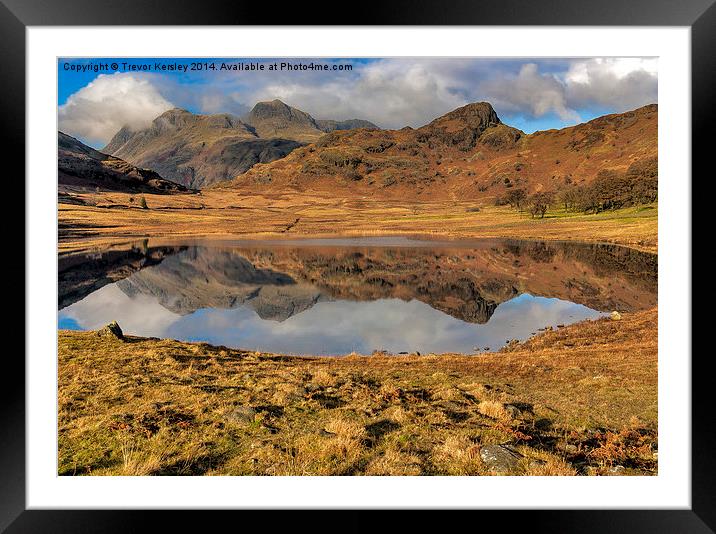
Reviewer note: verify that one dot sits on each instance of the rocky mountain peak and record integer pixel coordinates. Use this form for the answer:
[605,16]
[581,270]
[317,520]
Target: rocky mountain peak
[276,119]
[477,116]
[173,119]
[122,136]
[276,109]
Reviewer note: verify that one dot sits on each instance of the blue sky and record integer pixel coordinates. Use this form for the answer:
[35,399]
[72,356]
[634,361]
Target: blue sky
[97,96]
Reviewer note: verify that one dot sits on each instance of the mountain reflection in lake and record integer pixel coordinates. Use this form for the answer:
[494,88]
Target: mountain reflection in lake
[339,296]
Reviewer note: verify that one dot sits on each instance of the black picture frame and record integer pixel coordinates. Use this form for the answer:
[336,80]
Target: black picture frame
[699,15]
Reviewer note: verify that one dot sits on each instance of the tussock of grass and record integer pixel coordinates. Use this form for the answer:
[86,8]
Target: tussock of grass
[394,463]
[577,400]
[493,409]
[459,455]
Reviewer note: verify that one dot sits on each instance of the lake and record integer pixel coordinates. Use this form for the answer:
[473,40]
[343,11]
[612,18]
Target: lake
[337,296]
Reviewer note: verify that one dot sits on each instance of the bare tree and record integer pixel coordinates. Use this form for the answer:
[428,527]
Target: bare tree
[539,203]
[516,198]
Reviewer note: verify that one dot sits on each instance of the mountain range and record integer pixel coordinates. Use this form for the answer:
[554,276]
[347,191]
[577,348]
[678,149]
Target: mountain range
[200,150]
[467,153]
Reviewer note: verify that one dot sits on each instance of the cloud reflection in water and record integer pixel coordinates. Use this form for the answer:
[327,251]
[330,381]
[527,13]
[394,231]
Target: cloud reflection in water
[337,327]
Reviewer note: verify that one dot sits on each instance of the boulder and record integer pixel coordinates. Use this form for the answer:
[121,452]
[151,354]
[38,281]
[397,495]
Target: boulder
[615,316]
[513,411]
[112,330]
[500,459]
[242,415]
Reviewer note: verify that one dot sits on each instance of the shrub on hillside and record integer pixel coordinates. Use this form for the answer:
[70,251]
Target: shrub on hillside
[613,190]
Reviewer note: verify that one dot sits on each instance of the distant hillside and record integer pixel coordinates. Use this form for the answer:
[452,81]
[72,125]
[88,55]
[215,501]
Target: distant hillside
[351,124]
[81,166]
[199,150]
[467,153]
[276,119]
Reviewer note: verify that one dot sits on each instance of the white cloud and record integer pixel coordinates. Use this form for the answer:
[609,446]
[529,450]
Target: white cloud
[141,315]
[617,83]
[529,92]
[334,327]
[391,93]
[215,101]
[97,111]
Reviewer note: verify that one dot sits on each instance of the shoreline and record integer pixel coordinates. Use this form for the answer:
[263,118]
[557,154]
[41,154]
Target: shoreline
[94,244]
[287,356]
[305,216]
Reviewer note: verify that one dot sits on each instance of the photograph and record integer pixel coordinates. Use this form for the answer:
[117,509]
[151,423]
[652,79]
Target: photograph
[382,266]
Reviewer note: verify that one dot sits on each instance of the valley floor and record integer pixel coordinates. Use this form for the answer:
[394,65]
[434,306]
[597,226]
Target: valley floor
[581,399]
[578,400]
[88,220]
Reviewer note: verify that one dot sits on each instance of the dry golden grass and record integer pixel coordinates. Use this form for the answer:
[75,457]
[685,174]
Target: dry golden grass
[394,463]
[493,409]
[459,455]
[345,428]
[576,400]
[109,217]
[548,466]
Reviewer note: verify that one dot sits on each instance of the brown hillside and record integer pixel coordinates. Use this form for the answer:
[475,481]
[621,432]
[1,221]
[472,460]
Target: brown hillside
[467,153]
[199,150]
[82,168]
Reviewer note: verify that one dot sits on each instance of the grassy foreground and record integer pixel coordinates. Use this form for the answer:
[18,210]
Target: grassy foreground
[93,219]
[579,400]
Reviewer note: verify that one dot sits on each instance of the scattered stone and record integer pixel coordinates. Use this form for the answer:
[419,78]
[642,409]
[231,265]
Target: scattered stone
[570,448]
[311,387]
[616,470]
[241,414]
[500,459]
[615,316]
[111,330]
[513,411]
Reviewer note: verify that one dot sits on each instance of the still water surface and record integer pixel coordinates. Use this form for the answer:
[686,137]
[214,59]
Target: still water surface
[333,297]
